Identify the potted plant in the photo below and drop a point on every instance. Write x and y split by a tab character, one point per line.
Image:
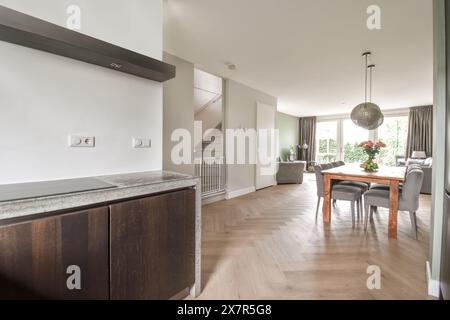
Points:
371	149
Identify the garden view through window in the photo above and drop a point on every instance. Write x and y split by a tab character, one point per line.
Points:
339	140
352	137
394	133
326	136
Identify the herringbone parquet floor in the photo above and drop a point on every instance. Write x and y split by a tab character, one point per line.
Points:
268	245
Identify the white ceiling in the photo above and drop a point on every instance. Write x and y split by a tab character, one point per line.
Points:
308	52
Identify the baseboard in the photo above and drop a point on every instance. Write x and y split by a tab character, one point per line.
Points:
433	285
214	198
240	192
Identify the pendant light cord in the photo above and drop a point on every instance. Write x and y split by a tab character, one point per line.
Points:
370	91
365	80
371	67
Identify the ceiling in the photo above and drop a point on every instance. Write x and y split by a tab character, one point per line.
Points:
308	52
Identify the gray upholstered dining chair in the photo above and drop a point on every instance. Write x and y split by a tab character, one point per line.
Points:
386	187
378	186
335	164
338	192
362	185
408	198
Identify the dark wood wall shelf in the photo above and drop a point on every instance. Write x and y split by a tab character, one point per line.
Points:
28	31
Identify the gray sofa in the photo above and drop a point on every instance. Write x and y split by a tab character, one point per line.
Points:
427	168
426	184
290	172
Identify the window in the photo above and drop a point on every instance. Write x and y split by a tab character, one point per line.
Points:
352	137
394	133
326	141
338	139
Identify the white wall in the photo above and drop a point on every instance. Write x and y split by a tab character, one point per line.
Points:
208	103
439	117
211	115
240	113
44	97
178	110
288	127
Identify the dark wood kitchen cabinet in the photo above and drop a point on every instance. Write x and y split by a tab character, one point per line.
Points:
152	243
136	249
35	256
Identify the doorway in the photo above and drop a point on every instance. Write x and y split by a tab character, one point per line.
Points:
209	153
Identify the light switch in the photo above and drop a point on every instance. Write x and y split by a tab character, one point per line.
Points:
142	143
81	142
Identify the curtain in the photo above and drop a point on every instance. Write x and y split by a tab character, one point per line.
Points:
420	131
307	135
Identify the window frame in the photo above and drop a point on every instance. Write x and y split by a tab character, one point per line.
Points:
373	134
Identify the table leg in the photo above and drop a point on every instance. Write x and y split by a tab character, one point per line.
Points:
326	198
393	209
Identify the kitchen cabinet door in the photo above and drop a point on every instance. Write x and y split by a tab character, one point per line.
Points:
152	246
59	257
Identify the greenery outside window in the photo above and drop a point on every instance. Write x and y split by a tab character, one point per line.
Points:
326	141
338	139
393	133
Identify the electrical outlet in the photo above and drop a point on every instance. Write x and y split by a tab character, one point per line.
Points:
142	143
81	142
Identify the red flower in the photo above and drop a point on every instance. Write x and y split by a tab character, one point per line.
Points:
367	144
380	144
372	147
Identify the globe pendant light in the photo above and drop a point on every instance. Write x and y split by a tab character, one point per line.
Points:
367	115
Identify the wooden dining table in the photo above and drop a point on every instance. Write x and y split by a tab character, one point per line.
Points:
390	176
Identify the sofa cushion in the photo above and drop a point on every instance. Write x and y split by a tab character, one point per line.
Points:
428	162
415	161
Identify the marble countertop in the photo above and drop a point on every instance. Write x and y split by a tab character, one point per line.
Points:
126	186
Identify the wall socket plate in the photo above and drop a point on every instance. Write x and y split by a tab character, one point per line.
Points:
81	142
141	143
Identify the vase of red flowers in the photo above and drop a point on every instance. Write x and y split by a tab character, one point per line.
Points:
371	149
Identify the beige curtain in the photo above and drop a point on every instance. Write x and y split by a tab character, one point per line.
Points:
420	131
307	134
